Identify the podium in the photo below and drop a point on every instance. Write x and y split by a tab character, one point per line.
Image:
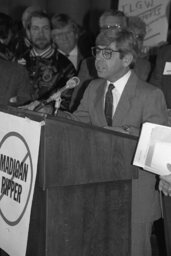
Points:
82	198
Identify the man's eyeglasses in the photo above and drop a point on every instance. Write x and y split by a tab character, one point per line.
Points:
107	53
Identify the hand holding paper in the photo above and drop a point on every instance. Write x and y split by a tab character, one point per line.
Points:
165	182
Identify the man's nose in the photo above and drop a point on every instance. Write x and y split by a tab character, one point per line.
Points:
41	32
64	36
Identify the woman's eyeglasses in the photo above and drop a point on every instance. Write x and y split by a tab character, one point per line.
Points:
115	26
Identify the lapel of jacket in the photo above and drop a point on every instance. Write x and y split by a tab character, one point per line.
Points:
79	59
99	102
125	101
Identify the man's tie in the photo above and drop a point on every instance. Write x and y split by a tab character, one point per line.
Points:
109	104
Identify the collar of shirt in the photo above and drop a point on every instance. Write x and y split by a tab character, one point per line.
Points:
44	54
63	52
121	82
73	56
74	51
118	90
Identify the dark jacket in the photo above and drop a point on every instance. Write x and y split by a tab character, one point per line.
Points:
48	74
14	82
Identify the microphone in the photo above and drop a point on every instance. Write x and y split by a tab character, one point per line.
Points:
71	83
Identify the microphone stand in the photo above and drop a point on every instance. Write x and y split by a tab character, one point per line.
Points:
71	83
57	106
51	98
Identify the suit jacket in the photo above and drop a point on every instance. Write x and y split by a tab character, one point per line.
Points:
14	82
81	55
140	102
80	58
159	79
87	72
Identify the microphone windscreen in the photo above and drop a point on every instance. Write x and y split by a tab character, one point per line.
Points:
72	82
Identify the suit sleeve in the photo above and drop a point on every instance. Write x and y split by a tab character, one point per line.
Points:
82	112
155	109
156	76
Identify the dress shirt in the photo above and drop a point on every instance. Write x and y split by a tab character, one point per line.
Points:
73	56
119	86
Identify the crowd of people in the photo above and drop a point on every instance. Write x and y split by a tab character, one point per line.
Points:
118	86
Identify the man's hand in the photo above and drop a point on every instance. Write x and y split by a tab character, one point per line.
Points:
165	183
31	106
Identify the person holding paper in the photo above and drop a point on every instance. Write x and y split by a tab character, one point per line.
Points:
119	99
165	182
165	187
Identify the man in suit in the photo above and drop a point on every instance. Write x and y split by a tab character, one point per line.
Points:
67	35
113	19
134	102
109	19
165	187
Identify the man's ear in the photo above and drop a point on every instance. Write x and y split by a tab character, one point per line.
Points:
127	59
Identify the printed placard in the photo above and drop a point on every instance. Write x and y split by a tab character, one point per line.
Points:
19	147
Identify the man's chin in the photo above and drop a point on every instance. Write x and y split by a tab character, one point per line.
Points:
101	74
42	46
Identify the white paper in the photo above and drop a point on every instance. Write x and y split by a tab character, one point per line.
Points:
161	157
153	152
167	68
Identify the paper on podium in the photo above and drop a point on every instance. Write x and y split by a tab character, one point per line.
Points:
153	151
